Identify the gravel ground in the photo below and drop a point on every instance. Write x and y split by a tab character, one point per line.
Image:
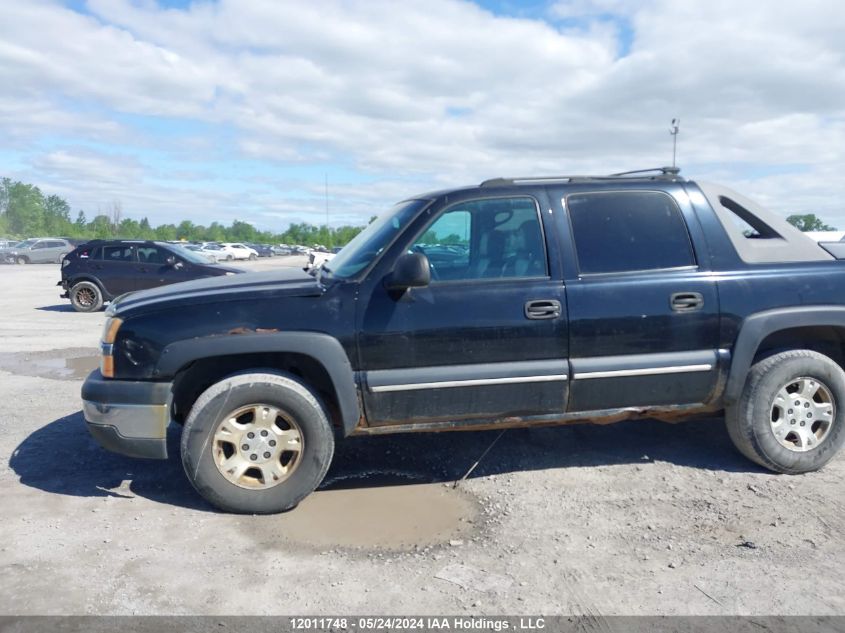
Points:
632	518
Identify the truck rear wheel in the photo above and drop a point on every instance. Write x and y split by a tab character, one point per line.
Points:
791	415
257	443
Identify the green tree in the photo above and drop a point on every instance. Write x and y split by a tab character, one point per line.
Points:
81	223
24	209
129	228
186	231
215	233
166	232
808	222
57	216
100	227
145	231
242	231
5	184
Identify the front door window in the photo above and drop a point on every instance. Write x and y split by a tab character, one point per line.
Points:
485	239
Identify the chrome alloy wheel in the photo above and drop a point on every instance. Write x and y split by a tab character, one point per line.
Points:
802	414
85	297
257	446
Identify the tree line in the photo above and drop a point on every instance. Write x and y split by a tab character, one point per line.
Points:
25	211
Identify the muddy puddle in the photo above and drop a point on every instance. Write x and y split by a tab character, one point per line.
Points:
67	364
378	511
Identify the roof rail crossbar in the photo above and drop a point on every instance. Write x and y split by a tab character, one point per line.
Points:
666	171
669	173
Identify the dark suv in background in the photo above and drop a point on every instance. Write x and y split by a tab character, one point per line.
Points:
101	270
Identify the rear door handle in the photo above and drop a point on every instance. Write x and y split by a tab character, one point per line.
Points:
686	301
542	309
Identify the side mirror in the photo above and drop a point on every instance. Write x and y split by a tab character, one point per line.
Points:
170	261
412	270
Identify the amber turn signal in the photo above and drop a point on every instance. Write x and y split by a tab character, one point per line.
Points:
110	330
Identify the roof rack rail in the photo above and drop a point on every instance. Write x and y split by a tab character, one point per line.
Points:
666	171
658	173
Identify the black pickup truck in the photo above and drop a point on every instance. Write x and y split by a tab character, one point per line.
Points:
516	302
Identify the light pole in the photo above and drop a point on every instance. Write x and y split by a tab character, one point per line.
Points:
673	130
328	234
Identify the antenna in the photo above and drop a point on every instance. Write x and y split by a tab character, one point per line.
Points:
673	130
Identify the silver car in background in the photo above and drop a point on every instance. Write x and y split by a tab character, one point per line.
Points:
45	250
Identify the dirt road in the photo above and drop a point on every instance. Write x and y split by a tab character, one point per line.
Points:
634	518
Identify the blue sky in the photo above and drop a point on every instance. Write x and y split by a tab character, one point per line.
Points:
227	109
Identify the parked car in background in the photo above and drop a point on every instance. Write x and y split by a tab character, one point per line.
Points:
262	249
99	271
45	250
236	250
281	249
213	256
7	243
214	250
316	259
336	250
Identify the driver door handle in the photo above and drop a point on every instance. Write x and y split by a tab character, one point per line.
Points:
542	309
686	301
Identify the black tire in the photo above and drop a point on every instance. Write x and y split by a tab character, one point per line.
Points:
749	420
253	257
21	260
86	296
262	387
229	257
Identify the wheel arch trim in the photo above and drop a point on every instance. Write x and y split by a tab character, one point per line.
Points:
90	279
756	327
324	349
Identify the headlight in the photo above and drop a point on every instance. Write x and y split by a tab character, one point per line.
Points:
107	345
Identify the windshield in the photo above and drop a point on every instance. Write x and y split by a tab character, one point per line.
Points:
369	243
25	244
189	255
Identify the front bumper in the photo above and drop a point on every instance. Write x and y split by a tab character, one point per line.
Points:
128	416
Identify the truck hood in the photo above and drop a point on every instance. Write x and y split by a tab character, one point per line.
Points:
282	282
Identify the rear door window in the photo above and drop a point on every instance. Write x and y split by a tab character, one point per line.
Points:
120	253
628	231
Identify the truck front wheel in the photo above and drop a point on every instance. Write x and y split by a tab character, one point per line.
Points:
257	443
791	414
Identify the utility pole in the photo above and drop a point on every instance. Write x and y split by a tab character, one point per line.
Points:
673	130
328	234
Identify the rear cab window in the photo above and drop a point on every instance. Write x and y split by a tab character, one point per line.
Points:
628	231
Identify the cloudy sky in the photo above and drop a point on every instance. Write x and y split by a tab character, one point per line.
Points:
217	110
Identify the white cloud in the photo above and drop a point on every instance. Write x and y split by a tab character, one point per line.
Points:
438	92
